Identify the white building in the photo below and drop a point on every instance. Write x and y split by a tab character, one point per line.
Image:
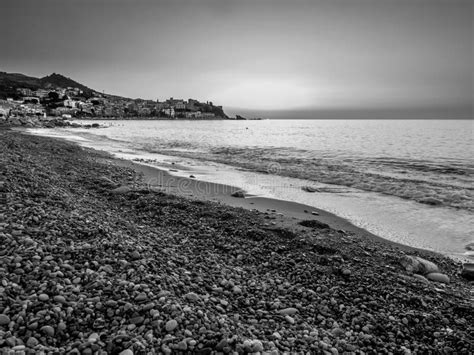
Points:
25	91
70	103
168	111
41	93
180	105
193	114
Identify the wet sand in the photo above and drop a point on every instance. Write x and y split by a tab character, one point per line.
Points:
286	214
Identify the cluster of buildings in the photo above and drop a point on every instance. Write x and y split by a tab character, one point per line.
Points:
40	102
73	102
43	93
176	108
15	108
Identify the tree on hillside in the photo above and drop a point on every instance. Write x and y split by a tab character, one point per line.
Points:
53	96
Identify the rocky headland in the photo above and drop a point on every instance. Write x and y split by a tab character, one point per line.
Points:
94	261
43	122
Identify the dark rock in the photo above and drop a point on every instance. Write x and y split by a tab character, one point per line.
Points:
470	247
431	201
312	223
309	189
239	194
468	271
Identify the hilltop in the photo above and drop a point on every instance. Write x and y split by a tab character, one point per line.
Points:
58	95
58	80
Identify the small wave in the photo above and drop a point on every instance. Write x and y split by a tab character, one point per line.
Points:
425	166
352	172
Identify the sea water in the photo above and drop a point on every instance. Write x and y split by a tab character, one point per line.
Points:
411	181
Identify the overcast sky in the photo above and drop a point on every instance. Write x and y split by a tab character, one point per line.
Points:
263	55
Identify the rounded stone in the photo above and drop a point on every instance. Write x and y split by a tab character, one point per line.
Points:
257	346
171	325
4	319
62	326
236	289
10	341
141	297
48	330
59	299
135	254
288	311
94	337
32	326
43	297
191	296
421	278
137	320
438	277
182	345
346	272
32	342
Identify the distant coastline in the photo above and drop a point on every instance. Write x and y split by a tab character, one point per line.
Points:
57	96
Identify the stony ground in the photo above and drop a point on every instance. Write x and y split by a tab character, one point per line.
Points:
87	270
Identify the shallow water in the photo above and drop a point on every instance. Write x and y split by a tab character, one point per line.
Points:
408	181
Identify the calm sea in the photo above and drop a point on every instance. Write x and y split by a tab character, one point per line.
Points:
407	180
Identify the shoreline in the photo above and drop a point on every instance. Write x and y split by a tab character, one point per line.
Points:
96	258
285	214
441	229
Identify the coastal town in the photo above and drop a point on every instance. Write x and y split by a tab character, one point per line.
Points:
69	103
19	101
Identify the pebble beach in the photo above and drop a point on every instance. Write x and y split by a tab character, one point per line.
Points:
94	261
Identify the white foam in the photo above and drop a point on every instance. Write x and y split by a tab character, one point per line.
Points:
46	132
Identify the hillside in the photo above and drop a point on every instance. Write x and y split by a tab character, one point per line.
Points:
58	80
9	82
